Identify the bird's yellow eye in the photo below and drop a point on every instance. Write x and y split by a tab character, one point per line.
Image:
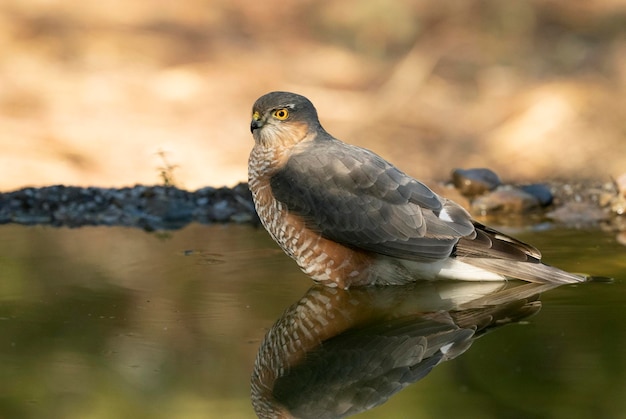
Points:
281	114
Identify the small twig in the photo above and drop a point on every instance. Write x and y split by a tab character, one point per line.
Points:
166	171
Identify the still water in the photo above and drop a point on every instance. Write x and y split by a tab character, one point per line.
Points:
118	323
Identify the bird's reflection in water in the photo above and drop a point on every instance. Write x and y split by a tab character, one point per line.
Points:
336	353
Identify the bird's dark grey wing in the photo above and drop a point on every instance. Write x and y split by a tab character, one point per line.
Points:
354	197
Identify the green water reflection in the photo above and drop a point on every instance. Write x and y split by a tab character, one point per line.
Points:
115	323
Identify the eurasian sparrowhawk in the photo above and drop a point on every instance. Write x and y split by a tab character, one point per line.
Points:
349	218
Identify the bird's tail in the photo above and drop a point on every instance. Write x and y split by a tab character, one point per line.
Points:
532	270
497	252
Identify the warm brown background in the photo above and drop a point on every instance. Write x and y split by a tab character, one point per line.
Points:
91	91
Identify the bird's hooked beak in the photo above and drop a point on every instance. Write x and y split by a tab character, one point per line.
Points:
257	122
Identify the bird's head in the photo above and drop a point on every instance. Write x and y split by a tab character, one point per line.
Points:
283	119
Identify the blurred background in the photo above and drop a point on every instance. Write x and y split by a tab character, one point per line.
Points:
110	93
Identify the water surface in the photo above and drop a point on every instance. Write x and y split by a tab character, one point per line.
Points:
105	322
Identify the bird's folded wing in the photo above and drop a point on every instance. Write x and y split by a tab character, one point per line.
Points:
352	196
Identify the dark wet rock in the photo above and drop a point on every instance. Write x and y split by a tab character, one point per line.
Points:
505	199
540	191
147	207
474	182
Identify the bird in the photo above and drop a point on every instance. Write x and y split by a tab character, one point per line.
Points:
350	218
